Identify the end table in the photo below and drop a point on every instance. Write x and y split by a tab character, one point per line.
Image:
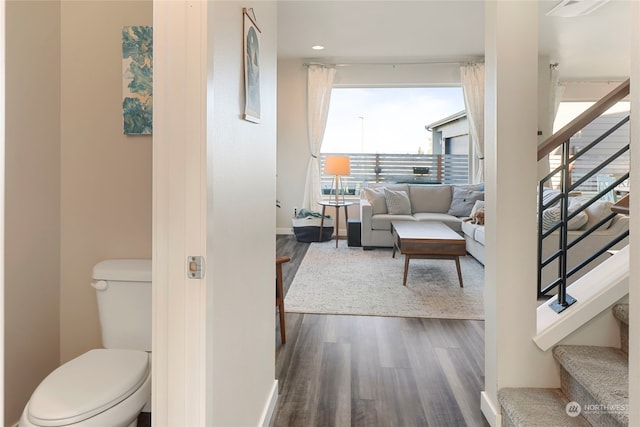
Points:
337	206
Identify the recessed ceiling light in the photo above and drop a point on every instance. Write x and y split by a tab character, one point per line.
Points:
317	47
573	8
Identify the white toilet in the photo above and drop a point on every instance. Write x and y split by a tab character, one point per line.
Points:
110	386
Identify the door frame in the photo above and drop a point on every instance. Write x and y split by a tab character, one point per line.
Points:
179	212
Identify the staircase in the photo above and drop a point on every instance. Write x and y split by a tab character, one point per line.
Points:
594	384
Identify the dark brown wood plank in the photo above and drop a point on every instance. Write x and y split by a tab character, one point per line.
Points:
378	371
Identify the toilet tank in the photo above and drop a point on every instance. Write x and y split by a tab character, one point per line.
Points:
123	289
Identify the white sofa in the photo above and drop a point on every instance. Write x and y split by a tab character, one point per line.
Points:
433	203
428	203
474	236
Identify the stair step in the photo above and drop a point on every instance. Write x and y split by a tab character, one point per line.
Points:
535	407
597	378
621	312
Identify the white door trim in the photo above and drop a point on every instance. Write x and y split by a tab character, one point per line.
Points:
179	212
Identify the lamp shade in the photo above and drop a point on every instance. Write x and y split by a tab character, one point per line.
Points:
337	165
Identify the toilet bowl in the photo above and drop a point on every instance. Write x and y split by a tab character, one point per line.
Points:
106	387
99	388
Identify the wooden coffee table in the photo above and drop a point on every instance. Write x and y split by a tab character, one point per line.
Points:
427	239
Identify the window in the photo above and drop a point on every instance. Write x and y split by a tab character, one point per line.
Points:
384	131
567	111
387	120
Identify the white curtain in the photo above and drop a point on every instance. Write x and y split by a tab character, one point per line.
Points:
556	90
472	79
319	84
555	93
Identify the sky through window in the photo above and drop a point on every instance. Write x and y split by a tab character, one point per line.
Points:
387	120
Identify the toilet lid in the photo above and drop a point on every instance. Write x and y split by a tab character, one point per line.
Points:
88	385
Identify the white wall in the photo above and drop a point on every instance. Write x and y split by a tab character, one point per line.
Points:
634	224
241	169
77	190
105	175
398	75
32	211
511	357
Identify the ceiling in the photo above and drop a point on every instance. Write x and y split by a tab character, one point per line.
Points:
593	47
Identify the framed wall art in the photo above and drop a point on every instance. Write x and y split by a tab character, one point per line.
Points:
251	66
137	80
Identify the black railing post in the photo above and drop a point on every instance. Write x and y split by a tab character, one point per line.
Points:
563	299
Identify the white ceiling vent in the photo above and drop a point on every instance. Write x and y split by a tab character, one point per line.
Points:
573	8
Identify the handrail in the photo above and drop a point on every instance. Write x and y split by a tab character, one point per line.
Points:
622	206
571	128
560	228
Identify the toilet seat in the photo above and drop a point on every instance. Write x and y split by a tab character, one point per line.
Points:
88	385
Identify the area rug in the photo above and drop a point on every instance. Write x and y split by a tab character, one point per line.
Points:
349	280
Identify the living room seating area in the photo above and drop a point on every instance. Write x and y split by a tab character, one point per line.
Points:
453	205
380	204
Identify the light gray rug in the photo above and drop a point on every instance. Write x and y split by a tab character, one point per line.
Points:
349	280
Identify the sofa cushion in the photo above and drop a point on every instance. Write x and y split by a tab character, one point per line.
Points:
382	185
452	221
430	198
375	197
479	235
473	231
551	216
472	187
463	200
469	228
397	202
383	221
596	212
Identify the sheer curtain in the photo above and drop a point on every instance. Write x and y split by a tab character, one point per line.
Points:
472	79
556	90
319	84
554	94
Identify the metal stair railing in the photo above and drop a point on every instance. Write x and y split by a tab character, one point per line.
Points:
567	187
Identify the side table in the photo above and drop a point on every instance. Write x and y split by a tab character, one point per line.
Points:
337	206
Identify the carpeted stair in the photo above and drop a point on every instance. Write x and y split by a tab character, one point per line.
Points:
596	378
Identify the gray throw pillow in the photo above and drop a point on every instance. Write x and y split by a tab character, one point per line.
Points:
397	202
463	200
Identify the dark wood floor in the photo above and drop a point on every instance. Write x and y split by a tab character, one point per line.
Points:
376	371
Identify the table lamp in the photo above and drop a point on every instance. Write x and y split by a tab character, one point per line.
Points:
337	166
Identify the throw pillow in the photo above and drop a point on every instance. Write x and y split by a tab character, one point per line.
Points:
463	200
551	216
479	204
397	202
548	194
598	211
578	221
375	197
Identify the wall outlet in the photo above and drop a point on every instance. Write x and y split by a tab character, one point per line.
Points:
295	212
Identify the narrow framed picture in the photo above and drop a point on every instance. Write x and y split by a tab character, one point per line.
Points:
251	66
137	80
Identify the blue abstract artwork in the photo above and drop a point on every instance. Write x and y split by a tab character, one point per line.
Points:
137	73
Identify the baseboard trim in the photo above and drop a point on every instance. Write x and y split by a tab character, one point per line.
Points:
270	408
491	413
